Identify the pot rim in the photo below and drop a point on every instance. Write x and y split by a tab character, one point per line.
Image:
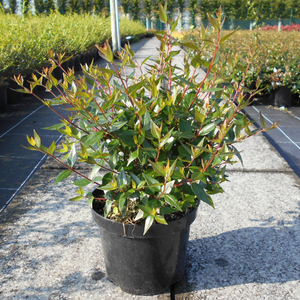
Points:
136	231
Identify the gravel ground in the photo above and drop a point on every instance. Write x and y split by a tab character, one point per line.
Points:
247	248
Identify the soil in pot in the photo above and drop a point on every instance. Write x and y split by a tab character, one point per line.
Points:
144	264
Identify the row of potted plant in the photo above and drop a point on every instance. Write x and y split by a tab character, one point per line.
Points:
24	42
276	63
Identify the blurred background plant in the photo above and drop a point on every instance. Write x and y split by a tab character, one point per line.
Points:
24	42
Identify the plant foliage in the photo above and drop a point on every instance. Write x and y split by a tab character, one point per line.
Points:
276	62
163	137
25	42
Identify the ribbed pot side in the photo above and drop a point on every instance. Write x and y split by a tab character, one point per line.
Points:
144	264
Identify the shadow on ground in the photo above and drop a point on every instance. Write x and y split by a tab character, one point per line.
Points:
265	254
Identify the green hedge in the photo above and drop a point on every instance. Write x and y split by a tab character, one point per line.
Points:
277	61
24	42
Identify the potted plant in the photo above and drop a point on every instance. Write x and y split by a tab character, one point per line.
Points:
163	140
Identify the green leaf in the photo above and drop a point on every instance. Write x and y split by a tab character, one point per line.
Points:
147	209
133	156
172	54
107	71
150	180
52	148
153	185
169	186
82	182
197	61
188	99
197	175
122	179
161	220
241	68
155	130
165	139
54	127
158	168
72	156
190	45
76	198
207	129
95	170
118	125
199	116
141	184
37	139
20	90
139	215
177	175
108	187
237	153
62	175
172	200
174	25
93	138
212	90
135	87
148	223
30	148
187	149
201	194
90	201
149	149
227	36
107	208
135	178
172	168
127	137
142	110
122	202
162	14
262	120
213	21
192	85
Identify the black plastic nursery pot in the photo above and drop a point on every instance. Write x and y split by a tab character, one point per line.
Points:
14	97
144	264
3	97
